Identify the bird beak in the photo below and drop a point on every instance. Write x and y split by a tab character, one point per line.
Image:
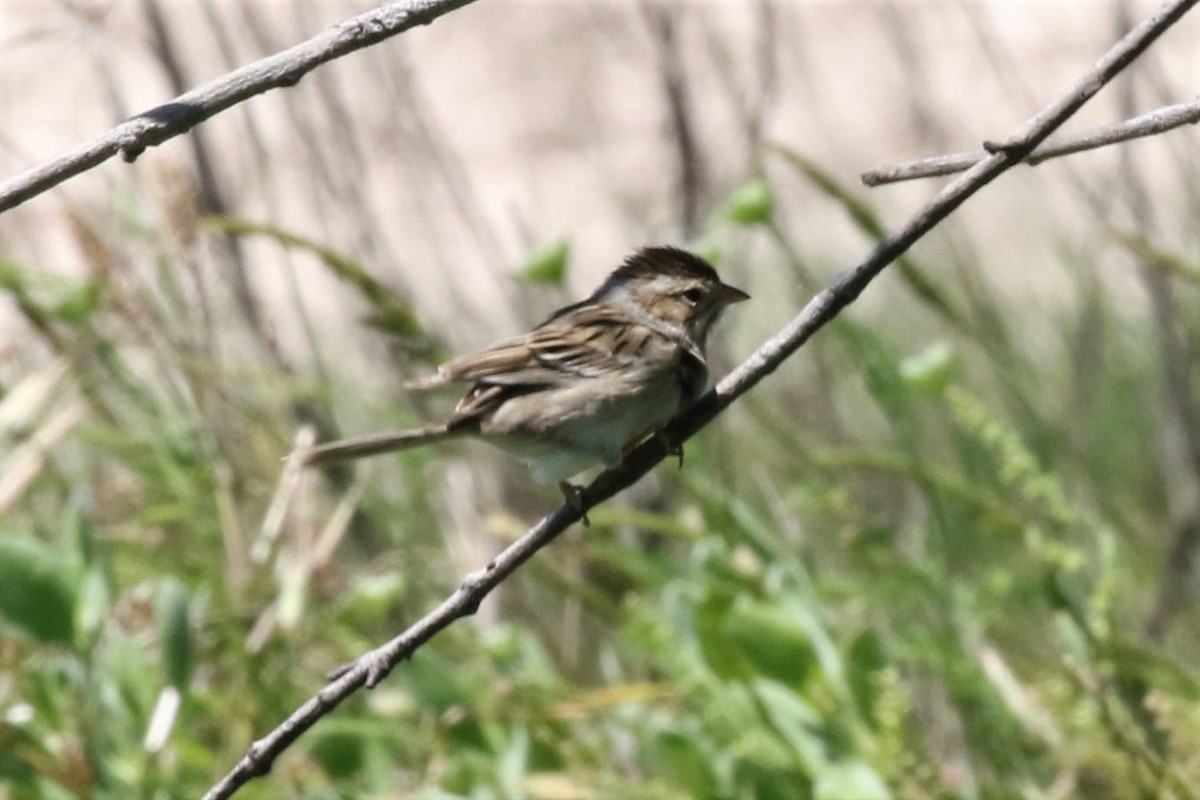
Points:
728	295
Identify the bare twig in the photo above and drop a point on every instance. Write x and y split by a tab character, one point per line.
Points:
1155	122
375	665
664	25
1175	594
189	109
210	197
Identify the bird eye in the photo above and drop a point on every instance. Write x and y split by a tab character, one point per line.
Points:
693	296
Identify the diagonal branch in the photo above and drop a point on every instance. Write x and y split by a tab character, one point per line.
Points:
1155	122
374	666
285	68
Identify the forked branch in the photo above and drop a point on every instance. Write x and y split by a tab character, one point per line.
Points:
1158	121
374	666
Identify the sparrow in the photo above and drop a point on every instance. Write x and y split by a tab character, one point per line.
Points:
588	384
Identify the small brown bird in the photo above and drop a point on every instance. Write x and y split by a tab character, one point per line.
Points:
590	382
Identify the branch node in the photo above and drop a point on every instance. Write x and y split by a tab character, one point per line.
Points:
1007	146
474	580
1151	123
131	147
378	667
258	761
291	77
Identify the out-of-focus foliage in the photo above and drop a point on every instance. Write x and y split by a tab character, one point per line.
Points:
751	204
922	573
548	264
946	551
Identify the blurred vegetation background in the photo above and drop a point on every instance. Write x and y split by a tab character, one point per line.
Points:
947	551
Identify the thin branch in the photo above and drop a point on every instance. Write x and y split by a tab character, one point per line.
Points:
1176	593
1155	122
189	109
373	667
210	198
664	26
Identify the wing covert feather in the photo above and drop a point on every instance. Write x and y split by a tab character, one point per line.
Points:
586	342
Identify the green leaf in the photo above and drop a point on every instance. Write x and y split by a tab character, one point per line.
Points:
36	594
50	789
850	780
512	764
758	780
931	370
91	607
1133	661
370	598
682	759
795	722
548	265
390	311
76	526
395	319
772	643
435	684
709	251
709	621
1172	263
132	671
79	305
751	204
863	663
880	368
175	632
14	771
339	748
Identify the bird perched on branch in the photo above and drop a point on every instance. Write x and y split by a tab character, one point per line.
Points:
589	383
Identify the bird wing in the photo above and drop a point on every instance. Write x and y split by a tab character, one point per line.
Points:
587	341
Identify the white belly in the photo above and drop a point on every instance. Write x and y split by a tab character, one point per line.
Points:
559	433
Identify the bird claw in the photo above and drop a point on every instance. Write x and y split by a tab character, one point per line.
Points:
672	448
573	494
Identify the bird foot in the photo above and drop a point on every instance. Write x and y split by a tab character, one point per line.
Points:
672	448
573	494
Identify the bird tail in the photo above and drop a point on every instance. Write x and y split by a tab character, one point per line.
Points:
427	382
362	446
